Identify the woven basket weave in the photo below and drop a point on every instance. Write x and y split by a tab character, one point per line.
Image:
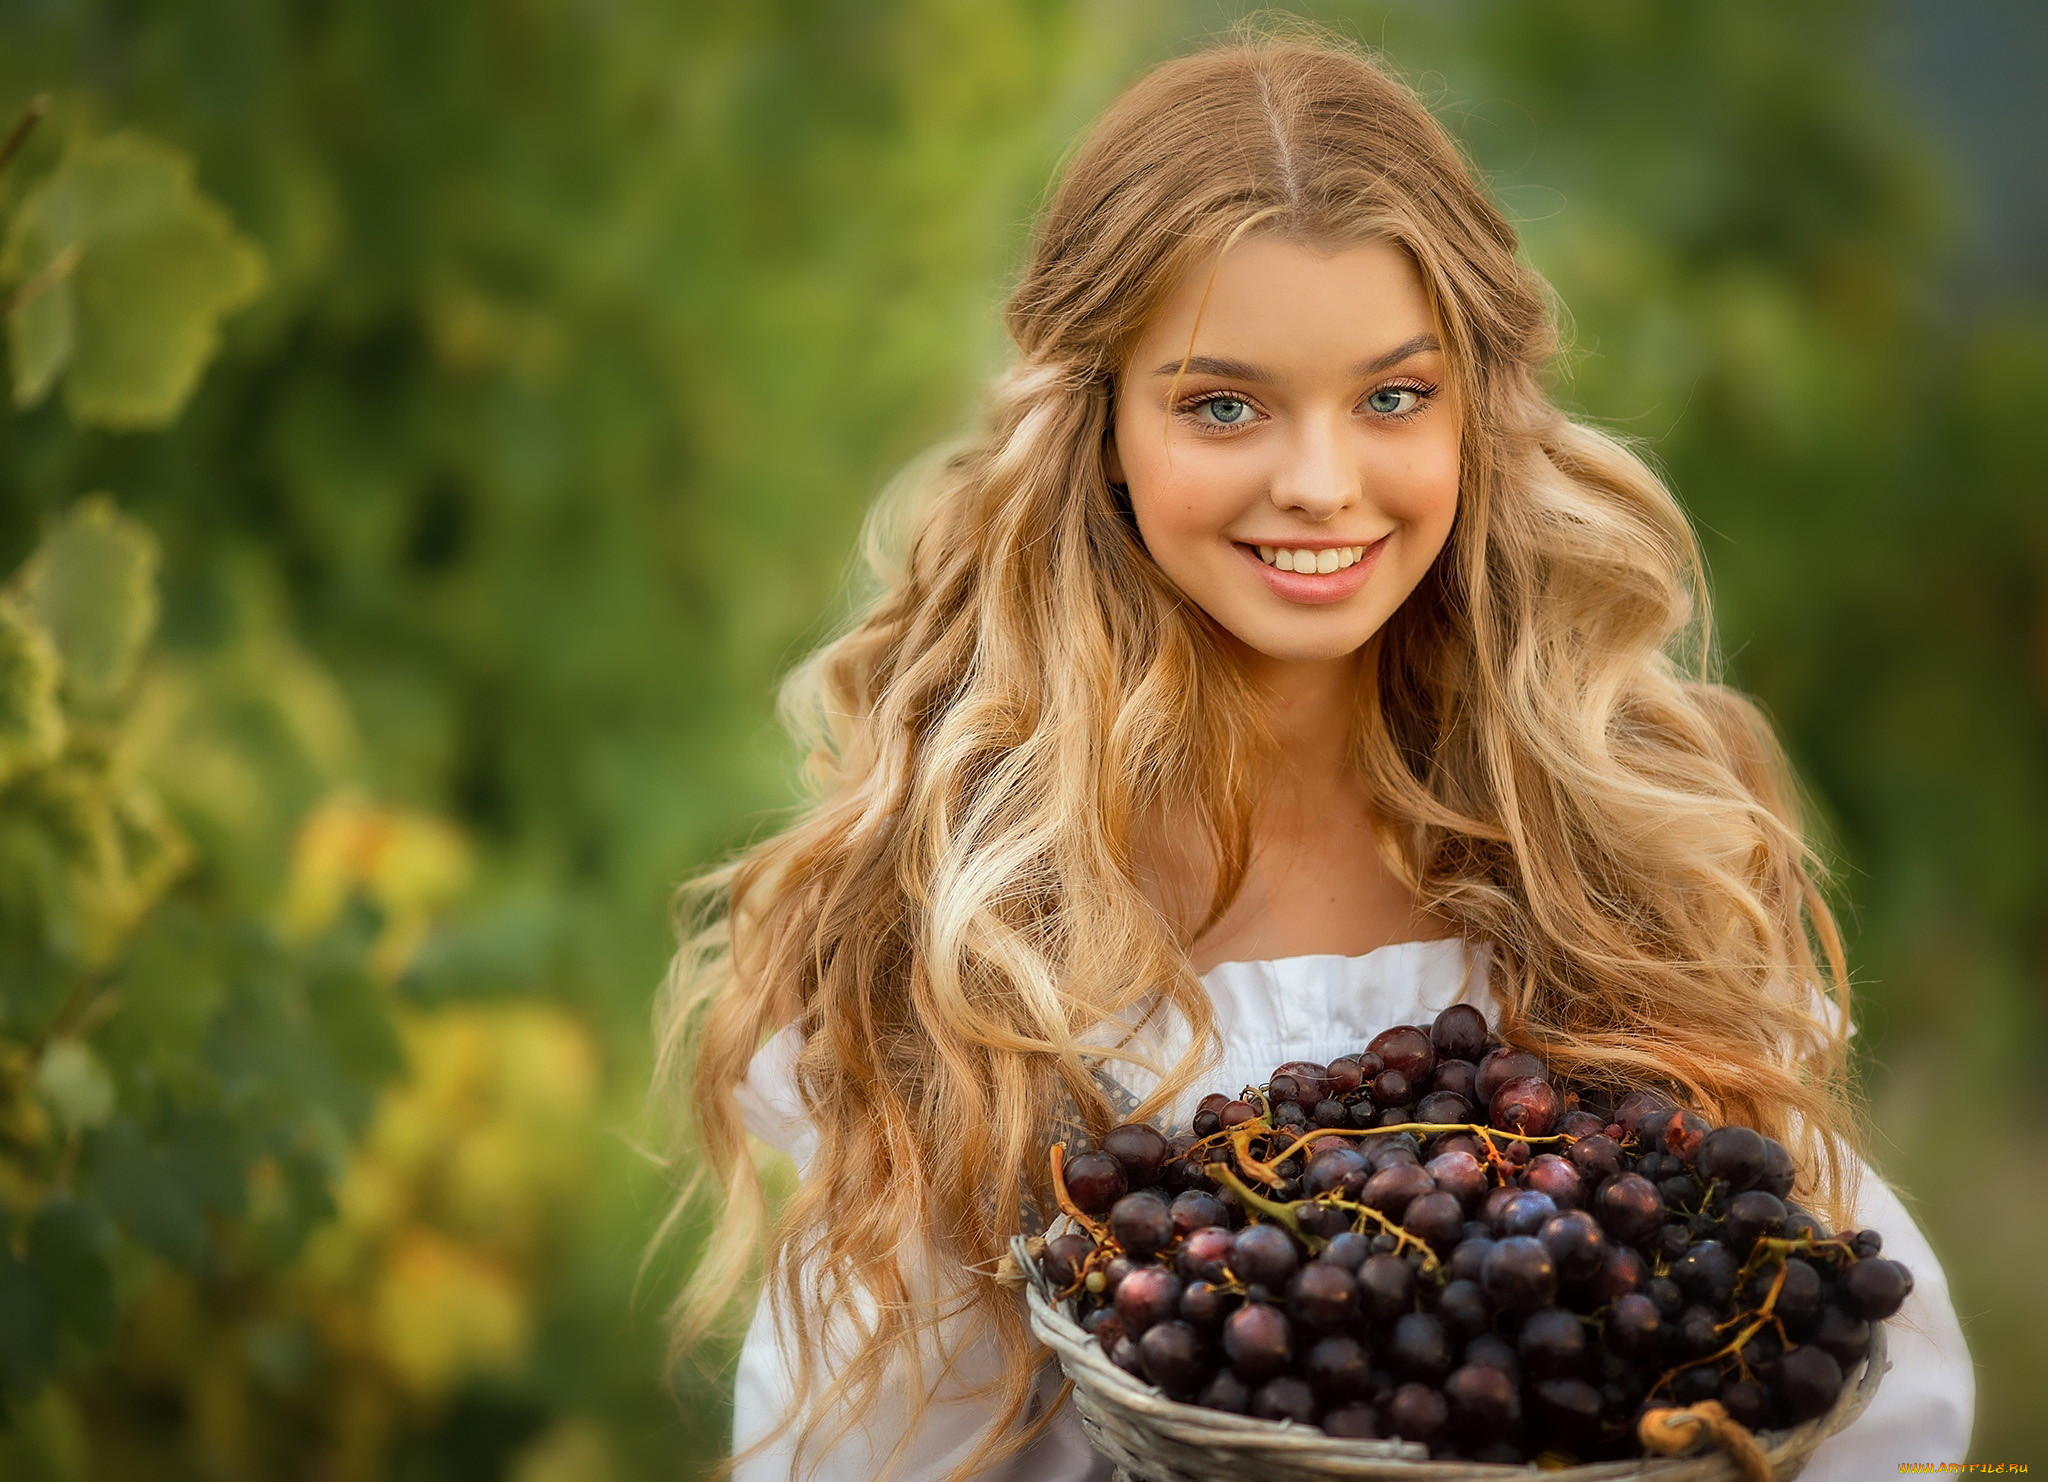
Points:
1153	1439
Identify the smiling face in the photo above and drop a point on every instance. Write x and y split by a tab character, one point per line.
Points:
1299	478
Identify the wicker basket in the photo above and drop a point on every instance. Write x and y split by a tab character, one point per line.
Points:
1153	1439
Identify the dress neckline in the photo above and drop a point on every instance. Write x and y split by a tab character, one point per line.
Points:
1332	956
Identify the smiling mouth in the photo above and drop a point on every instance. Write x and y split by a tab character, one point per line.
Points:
1320	562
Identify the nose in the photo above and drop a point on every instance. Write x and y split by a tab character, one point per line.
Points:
1317	477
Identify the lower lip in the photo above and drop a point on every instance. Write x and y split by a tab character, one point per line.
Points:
1315	588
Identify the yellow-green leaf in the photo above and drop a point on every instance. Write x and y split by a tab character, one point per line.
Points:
31	725
159	264
92	583
75	1084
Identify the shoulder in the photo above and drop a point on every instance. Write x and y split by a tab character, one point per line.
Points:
769	1101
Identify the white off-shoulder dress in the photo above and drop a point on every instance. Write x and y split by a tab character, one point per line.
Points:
1294	1008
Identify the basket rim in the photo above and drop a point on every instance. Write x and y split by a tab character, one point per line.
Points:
1198	1425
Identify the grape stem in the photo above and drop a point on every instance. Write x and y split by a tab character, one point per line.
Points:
1072	1210
1272	1209
1402	1238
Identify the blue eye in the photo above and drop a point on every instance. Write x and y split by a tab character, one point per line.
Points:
1227	409
1387	400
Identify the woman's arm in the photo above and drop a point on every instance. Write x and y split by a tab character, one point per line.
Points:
960	1353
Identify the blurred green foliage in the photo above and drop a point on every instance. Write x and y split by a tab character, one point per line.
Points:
564	346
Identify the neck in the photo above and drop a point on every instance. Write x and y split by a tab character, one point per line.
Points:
1310	706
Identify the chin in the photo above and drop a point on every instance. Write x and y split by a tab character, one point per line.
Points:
1303	648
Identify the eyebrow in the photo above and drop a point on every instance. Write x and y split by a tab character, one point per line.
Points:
1240	370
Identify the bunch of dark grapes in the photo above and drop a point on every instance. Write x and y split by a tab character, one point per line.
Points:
1430	1240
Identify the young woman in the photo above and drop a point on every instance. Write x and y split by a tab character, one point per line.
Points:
1278	665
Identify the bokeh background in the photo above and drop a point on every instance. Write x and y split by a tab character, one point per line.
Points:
433	428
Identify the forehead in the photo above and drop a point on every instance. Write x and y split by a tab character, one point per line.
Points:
1286	303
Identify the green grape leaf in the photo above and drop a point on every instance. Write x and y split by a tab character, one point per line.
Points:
31	725
133	324
74	1084
92	582
145	1193
28	1327
68	1244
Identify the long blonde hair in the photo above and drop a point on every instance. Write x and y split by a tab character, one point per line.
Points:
1556	769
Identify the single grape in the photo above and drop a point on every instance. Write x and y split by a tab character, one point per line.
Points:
1682	1136
1734	1156
1748	1403
1846	1337
1570	1409
1386	1286
1312	1079
1264	1254
1469	1258
1575	1243
1205	1254
1322	1296
1751	1216
1458	1033
1142	1223
1174	1357
1779	1174
1876	1288
1524	1212
1103	1325
1547	1173
1417	1413
1463	1309
1622	1271
1357	1421
1492	1351
1406	1049
1552	1343
1149	1295
1336	1170
1634	1327
1095	1181
1343	1075
1141	1149
1665	1293
1707	1272
1436	1219
1063	1259
1400	1147
1392	1088
1226	1392
1807	1380
1392	1189
1330	1112
1440	1107
1580	1123
1204	1304
1698	1331
1128	1356
1236	1114
1197	1209
1527	1105
1283	1088
1641	1112
1519	1274
1348	1250
1458	1173
1256	1339
1866	1243
1421	1348
1339	1368
1598	1158
1456	1078
1114	1270
1504	1065
1629	1208
1485	1404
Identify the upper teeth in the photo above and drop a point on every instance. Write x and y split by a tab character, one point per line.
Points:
1335	558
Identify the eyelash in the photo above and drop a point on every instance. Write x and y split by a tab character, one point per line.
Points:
1424	392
